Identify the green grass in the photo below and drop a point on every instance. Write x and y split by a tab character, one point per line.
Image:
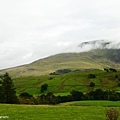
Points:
30	112
65	83
99	103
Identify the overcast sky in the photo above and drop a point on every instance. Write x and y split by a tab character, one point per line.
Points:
33	29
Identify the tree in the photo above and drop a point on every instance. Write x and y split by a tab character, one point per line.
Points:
49	98
92	84
44	87
113	96
8	89
26	98
76	95
91	76
113	70
25	95
1	95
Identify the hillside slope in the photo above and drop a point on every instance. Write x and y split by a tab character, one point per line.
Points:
63	84
96	59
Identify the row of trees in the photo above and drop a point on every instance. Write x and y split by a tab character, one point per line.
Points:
98	94
59	72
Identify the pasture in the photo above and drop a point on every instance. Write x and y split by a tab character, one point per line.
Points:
86	111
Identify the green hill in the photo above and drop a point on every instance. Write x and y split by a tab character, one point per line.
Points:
63	84
96	59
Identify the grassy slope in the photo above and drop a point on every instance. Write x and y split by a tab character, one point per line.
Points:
64	84
26	112
92	59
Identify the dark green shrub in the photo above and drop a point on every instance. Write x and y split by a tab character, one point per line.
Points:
25	95
92	84
113	70
76	95
26	98
91	76
113	96
44	87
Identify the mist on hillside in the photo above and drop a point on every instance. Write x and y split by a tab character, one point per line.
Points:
94	44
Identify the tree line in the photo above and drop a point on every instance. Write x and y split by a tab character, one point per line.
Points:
98	94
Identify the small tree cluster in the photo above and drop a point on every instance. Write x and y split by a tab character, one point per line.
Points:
49	98
113	96
98	94
26	98
110	70
76	95
59	72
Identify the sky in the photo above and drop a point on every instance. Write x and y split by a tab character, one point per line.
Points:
34	29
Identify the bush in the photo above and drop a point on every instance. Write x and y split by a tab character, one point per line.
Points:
44	87
113	96
26	98
76	95
113	70
25	95
92	84
112	114
91	76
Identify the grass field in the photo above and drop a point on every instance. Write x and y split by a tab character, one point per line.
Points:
60	112
102	103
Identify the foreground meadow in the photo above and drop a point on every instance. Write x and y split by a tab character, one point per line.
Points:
47	112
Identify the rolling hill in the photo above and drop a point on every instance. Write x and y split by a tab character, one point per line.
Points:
93	59
63	84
